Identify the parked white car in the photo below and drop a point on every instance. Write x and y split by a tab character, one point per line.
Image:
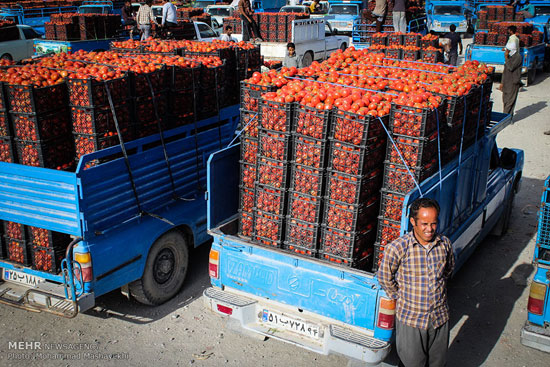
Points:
17	43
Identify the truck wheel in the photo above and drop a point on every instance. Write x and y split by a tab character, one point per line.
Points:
343	46
307	59
531	75
6	57
504	222
165	270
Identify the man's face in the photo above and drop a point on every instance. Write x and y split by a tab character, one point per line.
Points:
425	225
291	51
229	31
510	32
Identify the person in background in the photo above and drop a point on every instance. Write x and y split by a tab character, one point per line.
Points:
456	42
169	15
144	18
414	273
511	75
399	19
291	59
227	35
128	17
315	7
378	14
249	24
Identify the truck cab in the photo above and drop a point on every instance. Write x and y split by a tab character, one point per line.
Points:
342	15
96	7
441	14
16	43
218	13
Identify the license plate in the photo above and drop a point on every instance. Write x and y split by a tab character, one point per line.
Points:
290	323
19	277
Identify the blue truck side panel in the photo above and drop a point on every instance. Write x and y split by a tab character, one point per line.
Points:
533	57
35	17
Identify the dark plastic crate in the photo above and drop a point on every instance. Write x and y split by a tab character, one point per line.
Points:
3	96
181	106
352	189
7	151
144	108
100	120
139	83
248	175
183	78
46	258
304	207
273	173
347	248
249	121
93	93
348	217
15	230
251	95
270	200
378	256
395	39
454	111
357	160
276	116
417	122
3	250
89	143
275	145
391	205
249	150
209	102
302	237
425	43
416	152
432	56
17	251
31	99
213	76
379	39
393	53
33	127
45	238
411	39
56	153
5	130
398	179
312	122
309	151
269	229
356	129
388	231
306	180
246	224
247	199
410	55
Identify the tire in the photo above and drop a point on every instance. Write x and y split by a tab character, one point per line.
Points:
343	46
503	224
307	59
531	75
165	270
6	57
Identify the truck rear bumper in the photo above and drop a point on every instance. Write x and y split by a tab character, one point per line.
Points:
246	313
536	337
47	297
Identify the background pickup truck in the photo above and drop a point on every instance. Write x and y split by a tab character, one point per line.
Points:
329	309
441	14
17	42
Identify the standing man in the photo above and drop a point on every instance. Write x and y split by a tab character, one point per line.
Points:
128	17
315	7
456	41
414	272
511	75
169	15
378	14
144	18
399	17
249	24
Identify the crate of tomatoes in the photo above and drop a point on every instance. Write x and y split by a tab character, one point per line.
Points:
17	251
7	150
269	229
302	238
44	126
47	258
357	159
352	189
353	249
54	153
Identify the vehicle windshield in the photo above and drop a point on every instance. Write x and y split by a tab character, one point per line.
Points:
292	9
91	10
30	33
344	9
542	10
448	10
222	12
206	31
157	11
203	4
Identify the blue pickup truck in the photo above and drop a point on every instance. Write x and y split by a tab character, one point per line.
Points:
134	222
441	14
536	332
342	15
339	310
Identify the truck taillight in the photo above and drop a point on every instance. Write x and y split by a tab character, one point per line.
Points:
536	298
224	309
85	261
386	313
213	264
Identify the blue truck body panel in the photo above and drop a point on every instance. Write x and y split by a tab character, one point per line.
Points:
341	295
98	204
34	17
533	57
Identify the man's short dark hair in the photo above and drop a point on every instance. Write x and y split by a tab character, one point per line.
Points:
228	27
423	203
513	29
149	2
291	44
452	27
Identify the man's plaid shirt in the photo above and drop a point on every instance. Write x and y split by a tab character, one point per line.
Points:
416	276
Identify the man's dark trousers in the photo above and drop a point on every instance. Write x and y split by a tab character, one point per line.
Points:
421	348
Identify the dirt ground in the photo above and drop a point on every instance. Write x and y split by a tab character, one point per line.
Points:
488	298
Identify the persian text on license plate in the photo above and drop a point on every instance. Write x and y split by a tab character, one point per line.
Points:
291	324
18	277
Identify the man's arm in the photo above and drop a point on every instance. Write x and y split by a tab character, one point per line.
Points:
388	268
460	45
450	266
152	16
164	13
513	62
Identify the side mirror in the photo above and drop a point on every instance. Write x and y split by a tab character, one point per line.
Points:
508	159
335	31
